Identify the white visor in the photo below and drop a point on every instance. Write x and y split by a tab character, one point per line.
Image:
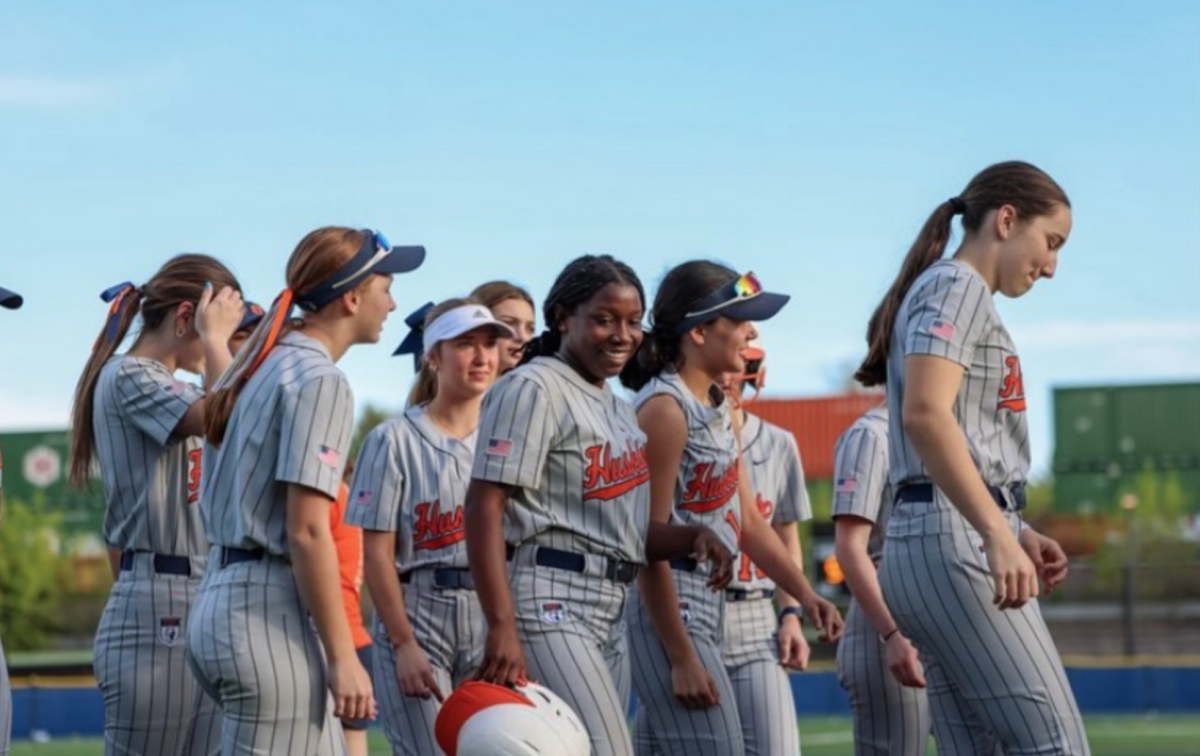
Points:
460	320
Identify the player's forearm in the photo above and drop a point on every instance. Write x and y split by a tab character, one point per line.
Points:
314	562
217	358
379	568
482	521
863	579
790	537
769	553
657	587
665	541
939	442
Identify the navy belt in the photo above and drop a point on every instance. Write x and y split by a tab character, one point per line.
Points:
919	492
164	564
685	564
230	555
445	578
616	570
739	594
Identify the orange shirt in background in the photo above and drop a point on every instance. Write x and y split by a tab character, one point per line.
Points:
349	542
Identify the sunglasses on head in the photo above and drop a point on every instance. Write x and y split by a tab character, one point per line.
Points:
745	286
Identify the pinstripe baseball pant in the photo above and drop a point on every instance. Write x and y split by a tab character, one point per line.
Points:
571	628
678	731
153	704
991	673
889	718
760	684
449	626
253	647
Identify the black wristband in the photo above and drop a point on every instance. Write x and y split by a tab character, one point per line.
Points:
790	611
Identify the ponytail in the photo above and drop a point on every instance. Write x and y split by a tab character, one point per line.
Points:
126	302
925	251
218	407
1026	188
545	345
657	352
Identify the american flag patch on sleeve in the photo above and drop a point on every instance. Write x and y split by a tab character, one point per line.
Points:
499	447
328	456
943	329
847	485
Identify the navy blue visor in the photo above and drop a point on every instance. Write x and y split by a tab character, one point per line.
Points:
375	256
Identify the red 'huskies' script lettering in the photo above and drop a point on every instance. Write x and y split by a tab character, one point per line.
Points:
707	492
435	529
607	476
193	475
1012	391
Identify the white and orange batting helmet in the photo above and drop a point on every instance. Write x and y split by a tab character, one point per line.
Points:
483	719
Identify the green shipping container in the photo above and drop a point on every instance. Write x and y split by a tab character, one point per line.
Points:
35	468
1166	493
1119	429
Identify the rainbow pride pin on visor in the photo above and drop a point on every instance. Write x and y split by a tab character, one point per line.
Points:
740	299
376	255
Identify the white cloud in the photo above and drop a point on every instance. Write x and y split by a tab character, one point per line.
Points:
53	92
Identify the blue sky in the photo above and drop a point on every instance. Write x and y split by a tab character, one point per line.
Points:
800	140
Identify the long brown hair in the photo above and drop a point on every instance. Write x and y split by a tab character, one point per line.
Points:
493	293
180	280
425	385
317	257
1025	187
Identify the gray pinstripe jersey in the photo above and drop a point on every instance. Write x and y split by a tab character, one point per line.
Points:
576	456
411	479
949	313
706	491
291	424
778	481
860	470
151	476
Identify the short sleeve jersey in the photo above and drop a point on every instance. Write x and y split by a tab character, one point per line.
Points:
706	489
576	457
411	479
861	487
949	313
777	478
291	425
151	474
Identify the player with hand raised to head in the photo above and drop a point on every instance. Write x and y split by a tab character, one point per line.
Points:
143	427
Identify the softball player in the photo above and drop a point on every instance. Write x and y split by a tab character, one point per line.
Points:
703	316
278	426
954	575
513	306
560	491
142	426
877	664
408	491
9	300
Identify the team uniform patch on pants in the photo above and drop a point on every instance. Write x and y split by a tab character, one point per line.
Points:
554	613
170	630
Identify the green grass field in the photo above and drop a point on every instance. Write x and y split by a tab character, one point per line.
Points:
1173	735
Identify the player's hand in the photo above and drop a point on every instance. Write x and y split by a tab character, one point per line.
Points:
415	673
708	548
350	684
1013	571
825	617
503	659
693	686
218	313
1047	556
793	646
902	660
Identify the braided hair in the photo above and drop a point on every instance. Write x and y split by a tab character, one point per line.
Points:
576	284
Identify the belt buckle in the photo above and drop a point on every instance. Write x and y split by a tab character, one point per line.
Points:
622	572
